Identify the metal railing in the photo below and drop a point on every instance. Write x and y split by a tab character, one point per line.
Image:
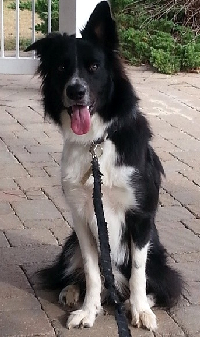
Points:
19	64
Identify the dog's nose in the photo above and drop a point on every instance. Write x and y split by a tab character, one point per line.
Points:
76	91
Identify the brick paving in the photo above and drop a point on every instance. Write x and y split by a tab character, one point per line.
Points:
33	214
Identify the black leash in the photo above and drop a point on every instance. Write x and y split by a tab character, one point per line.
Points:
123	329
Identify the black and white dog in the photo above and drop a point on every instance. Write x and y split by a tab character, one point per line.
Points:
86	91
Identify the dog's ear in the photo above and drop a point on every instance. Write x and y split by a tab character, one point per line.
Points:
47	49
43	48
38	46
101	27
43	45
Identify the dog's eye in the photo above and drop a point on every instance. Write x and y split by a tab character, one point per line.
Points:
61	68
93	67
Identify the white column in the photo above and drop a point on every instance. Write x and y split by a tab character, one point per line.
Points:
2	29
67	16
73	14
17	28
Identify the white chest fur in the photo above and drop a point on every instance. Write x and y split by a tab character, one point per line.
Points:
118	192
76	161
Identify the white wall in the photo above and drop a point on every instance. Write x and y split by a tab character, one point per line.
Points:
67	16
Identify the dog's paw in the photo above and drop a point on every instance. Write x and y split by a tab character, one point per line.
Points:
82	318
150	300
69	295
144	318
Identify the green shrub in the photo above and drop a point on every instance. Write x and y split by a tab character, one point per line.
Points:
191	55
41	8
10	43
22	5
135	45
159	33
164	61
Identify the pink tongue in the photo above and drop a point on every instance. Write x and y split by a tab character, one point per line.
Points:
80	119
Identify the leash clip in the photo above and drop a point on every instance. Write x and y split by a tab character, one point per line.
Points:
96	150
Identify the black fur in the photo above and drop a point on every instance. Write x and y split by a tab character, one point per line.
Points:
116	101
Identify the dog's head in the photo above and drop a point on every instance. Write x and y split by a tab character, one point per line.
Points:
77	73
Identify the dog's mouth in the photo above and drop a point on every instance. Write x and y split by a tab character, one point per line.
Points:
80	118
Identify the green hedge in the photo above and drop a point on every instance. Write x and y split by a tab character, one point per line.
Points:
152	32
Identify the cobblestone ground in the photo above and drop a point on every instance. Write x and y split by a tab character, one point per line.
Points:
33	211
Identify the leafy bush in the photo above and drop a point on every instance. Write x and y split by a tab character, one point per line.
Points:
22	5
164	61
191	55
162	33
41	8
10	43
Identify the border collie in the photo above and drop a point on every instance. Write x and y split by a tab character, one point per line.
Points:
87	93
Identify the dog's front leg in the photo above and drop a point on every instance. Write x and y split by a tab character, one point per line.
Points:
92	303
142	315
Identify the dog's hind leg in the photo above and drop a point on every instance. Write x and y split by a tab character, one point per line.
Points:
163	281
92	303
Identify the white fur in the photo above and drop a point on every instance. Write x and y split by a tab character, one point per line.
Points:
142	315
92	302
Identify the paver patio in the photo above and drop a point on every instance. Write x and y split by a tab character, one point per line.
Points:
33	214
